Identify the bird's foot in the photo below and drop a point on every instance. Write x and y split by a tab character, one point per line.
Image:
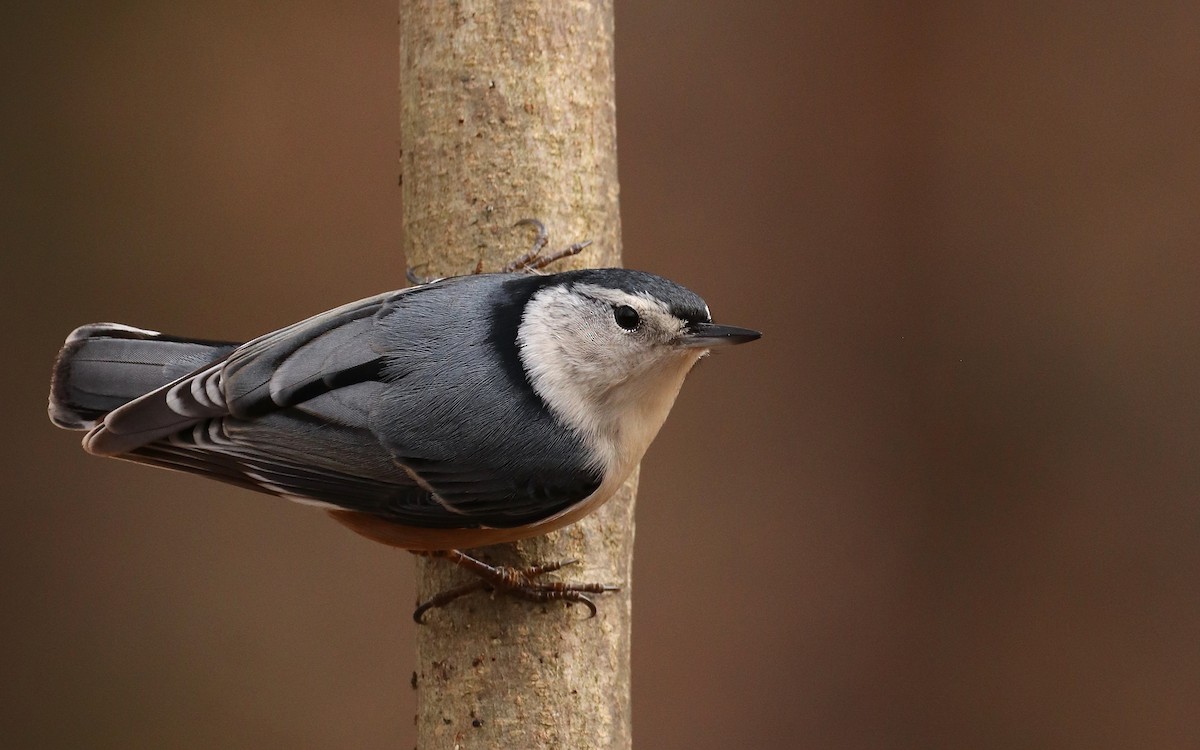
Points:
518	582
531	262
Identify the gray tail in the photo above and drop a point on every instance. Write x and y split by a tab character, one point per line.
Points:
105	365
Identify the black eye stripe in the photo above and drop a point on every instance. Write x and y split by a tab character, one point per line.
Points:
626	317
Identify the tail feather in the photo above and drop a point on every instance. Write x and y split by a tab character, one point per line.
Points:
105	365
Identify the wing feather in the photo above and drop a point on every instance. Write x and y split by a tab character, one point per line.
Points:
369	407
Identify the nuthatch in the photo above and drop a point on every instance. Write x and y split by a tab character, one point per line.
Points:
458	413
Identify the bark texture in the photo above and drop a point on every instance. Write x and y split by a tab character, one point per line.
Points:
507	112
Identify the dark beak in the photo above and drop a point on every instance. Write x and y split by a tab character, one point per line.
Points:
705	335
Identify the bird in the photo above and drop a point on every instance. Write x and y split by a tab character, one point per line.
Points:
457	413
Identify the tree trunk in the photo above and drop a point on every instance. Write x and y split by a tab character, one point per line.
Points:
507	112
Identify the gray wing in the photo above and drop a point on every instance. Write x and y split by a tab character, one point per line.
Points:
358	408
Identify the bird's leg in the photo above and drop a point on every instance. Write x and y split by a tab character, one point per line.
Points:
530	262
518	582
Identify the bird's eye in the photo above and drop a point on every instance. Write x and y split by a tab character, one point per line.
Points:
626	317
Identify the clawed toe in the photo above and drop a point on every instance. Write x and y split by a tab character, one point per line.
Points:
533	261
415	278
516	582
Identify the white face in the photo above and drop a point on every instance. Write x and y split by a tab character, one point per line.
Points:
607	362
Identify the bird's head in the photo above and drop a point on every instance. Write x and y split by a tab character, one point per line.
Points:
607	350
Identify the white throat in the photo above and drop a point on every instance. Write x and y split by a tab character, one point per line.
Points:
617	417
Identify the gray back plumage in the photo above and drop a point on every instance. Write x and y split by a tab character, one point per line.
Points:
401	405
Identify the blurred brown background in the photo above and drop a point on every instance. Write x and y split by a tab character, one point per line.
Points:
949	500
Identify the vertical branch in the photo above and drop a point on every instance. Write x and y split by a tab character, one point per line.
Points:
507	112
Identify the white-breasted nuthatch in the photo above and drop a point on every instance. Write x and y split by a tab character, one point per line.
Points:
459	413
